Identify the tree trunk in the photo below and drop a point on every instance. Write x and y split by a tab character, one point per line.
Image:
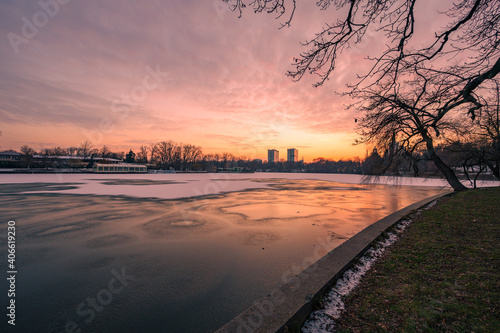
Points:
494	169
447	172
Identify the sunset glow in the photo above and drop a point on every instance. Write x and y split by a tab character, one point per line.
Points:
130	74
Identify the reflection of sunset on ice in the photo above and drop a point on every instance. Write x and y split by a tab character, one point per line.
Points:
218	251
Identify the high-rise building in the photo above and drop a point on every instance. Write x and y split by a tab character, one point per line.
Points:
292	155
273	156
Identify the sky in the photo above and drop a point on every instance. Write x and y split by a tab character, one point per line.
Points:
128	73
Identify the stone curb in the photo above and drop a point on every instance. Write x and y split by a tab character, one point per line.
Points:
288	307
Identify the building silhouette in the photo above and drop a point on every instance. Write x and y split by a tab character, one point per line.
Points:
273	156
292	155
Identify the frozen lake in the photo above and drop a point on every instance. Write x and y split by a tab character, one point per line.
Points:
175	252
183	185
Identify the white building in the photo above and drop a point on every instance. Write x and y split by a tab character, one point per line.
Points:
292	155
273	156
120	168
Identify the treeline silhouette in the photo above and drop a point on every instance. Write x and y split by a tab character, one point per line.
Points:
170	155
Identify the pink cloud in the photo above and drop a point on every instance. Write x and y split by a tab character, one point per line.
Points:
226	76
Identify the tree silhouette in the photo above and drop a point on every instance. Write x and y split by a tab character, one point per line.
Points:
142	155
105	151
85	148
130	157
416	88
27	158
479	145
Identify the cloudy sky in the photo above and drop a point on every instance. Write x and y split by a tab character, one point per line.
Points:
127	73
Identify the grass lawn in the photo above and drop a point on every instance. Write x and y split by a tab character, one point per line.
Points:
441	276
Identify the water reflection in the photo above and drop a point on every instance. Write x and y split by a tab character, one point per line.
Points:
196	262
261	211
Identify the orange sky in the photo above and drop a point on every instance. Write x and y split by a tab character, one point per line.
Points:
189	71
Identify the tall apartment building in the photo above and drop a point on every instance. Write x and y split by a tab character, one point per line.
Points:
292	155
273	156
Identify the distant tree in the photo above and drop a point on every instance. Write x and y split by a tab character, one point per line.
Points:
166	154
414	88
207	162
27	158
190	154
217	160
470	156
153	149
94	152
227	158
176	156
71	151
255	164
130	157
58	151
26	150
477	148
142	155
85	148
118	155
104	152
45	152
489	132
373	164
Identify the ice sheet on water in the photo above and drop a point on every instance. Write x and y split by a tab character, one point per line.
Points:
184	185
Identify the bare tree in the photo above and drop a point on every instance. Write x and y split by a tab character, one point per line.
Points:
71	151
142	155
166	154
226	159
153	148
119	155
105	151
217	160
414	88
479	146
58	151
85	148
27	157
94	152
489	124
190	154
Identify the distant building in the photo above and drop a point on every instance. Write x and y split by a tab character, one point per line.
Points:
10	158
273	156
10	155
292	155
119	168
